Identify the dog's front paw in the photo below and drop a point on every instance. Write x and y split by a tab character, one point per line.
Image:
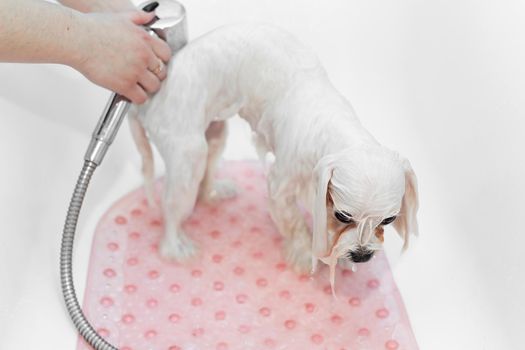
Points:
298	254
180	249
221	189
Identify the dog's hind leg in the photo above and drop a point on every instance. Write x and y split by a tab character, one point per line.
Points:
185	159
141	141
212	190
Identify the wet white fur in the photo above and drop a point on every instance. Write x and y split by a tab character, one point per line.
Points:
279	87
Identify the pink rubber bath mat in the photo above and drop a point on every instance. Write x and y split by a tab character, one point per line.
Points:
239	293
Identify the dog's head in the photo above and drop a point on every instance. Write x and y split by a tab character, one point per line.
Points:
359	191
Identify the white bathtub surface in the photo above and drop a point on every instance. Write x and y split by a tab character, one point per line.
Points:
440	82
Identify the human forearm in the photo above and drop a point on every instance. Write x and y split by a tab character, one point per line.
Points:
110	49
37	31
99	5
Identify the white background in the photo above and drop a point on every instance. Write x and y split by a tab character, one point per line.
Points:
442	82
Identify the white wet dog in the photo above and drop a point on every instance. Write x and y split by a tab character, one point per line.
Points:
325	161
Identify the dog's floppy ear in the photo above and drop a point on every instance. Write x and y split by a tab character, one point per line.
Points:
322	174
406	221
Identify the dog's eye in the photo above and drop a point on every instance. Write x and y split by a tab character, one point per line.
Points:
344	217
388	220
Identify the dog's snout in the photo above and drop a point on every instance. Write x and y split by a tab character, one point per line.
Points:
360	255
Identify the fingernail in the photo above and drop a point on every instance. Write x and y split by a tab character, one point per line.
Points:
150	7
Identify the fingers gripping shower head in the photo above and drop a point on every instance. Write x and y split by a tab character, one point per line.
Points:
170	26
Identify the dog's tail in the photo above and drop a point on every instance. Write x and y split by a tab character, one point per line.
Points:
144	147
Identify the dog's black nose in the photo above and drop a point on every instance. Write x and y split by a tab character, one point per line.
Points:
360	255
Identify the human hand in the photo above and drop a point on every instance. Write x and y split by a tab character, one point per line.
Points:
113	51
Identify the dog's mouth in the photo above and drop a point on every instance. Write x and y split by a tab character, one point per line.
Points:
361	255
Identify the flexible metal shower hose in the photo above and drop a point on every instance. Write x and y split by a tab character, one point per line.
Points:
66	264
173	27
